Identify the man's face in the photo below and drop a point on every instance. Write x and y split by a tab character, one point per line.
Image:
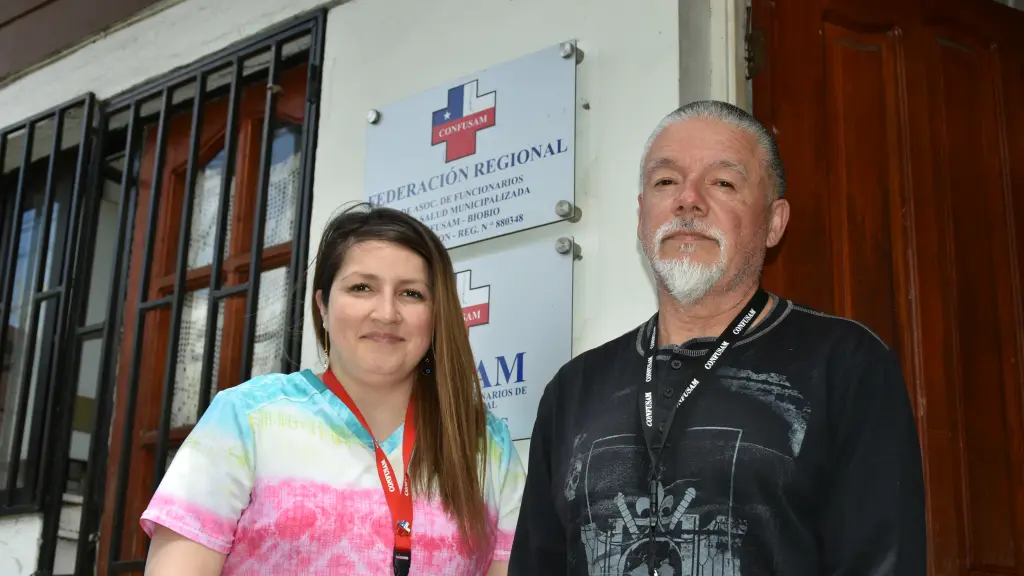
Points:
705	216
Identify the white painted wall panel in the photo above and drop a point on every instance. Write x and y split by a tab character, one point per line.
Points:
19	545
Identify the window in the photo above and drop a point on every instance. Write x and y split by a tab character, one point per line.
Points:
41	188
216	167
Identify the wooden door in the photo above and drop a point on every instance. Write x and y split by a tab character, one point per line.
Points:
275	258
901	125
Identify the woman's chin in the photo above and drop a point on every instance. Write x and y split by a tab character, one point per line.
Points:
386	375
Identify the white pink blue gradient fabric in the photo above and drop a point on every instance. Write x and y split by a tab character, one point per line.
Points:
279	475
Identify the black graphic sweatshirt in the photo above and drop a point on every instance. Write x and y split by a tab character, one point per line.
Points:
800	458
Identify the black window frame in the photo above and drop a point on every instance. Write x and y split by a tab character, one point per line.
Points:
43	406
53	405
111	330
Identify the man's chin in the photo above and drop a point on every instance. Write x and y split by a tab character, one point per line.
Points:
681	259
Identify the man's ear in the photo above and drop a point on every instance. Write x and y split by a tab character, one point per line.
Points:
639	209
778	218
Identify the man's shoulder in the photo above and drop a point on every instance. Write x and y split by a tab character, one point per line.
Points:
842	334
603	358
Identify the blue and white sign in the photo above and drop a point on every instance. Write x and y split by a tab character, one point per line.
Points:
519	326
482	156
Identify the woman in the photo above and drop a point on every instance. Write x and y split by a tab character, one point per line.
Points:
306	474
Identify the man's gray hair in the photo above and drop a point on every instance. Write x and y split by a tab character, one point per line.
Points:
730	114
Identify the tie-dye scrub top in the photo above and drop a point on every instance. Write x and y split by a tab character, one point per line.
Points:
280	475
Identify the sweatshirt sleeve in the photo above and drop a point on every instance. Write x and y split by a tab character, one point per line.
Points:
873	516
539	547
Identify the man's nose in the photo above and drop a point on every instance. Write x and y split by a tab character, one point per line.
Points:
690	200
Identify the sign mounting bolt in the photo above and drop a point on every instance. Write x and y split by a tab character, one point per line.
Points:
568	49
566	245
373	116
564	209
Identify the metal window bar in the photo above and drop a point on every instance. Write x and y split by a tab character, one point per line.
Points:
96	466
49	357
78	262
178	299
233	60
259	220
11	482
291	359
220	237
140	322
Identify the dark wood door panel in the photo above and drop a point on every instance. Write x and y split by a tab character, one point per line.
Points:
964	86
862	97
900	125
1012	79
942	474
800	267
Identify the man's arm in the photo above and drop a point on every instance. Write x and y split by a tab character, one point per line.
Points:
873	519
539	545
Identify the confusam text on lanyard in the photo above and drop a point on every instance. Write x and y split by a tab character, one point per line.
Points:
399	499
656	437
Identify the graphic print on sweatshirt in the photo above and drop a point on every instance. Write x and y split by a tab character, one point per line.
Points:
704	511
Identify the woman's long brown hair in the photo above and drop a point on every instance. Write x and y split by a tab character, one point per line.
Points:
451	423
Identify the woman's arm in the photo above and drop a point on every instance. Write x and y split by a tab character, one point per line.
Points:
171	553
193	516
498	569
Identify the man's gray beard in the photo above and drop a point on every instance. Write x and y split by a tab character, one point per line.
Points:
686	280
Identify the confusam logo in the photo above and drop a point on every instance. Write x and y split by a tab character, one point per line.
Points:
476	302
456	125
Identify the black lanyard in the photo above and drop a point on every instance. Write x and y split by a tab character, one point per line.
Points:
656	438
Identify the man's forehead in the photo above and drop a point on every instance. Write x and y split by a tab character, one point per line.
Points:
722	163
703	143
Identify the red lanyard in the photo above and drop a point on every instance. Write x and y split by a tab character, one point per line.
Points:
399	501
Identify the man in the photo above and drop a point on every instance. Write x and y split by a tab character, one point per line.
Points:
734	433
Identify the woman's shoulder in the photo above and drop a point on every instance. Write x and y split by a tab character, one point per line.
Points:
497	428
267	389
499	440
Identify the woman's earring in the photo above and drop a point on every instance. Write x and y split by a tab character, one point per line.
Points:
327	349
426	365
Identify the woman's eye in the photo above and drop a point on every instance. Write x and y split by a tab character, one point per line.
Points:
724	184
664	182
359	288
414	294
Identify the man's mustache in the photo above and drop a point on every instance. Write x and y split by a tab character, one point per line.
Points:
694	225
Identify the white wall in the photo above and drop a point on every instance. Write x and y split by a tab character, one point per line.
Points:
642	60
19	545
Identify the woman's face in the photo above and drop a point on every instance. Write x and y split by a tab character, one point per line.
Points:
379	314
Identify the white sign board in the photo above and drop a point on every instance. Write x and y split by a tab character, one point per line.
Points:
517	304
482	156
